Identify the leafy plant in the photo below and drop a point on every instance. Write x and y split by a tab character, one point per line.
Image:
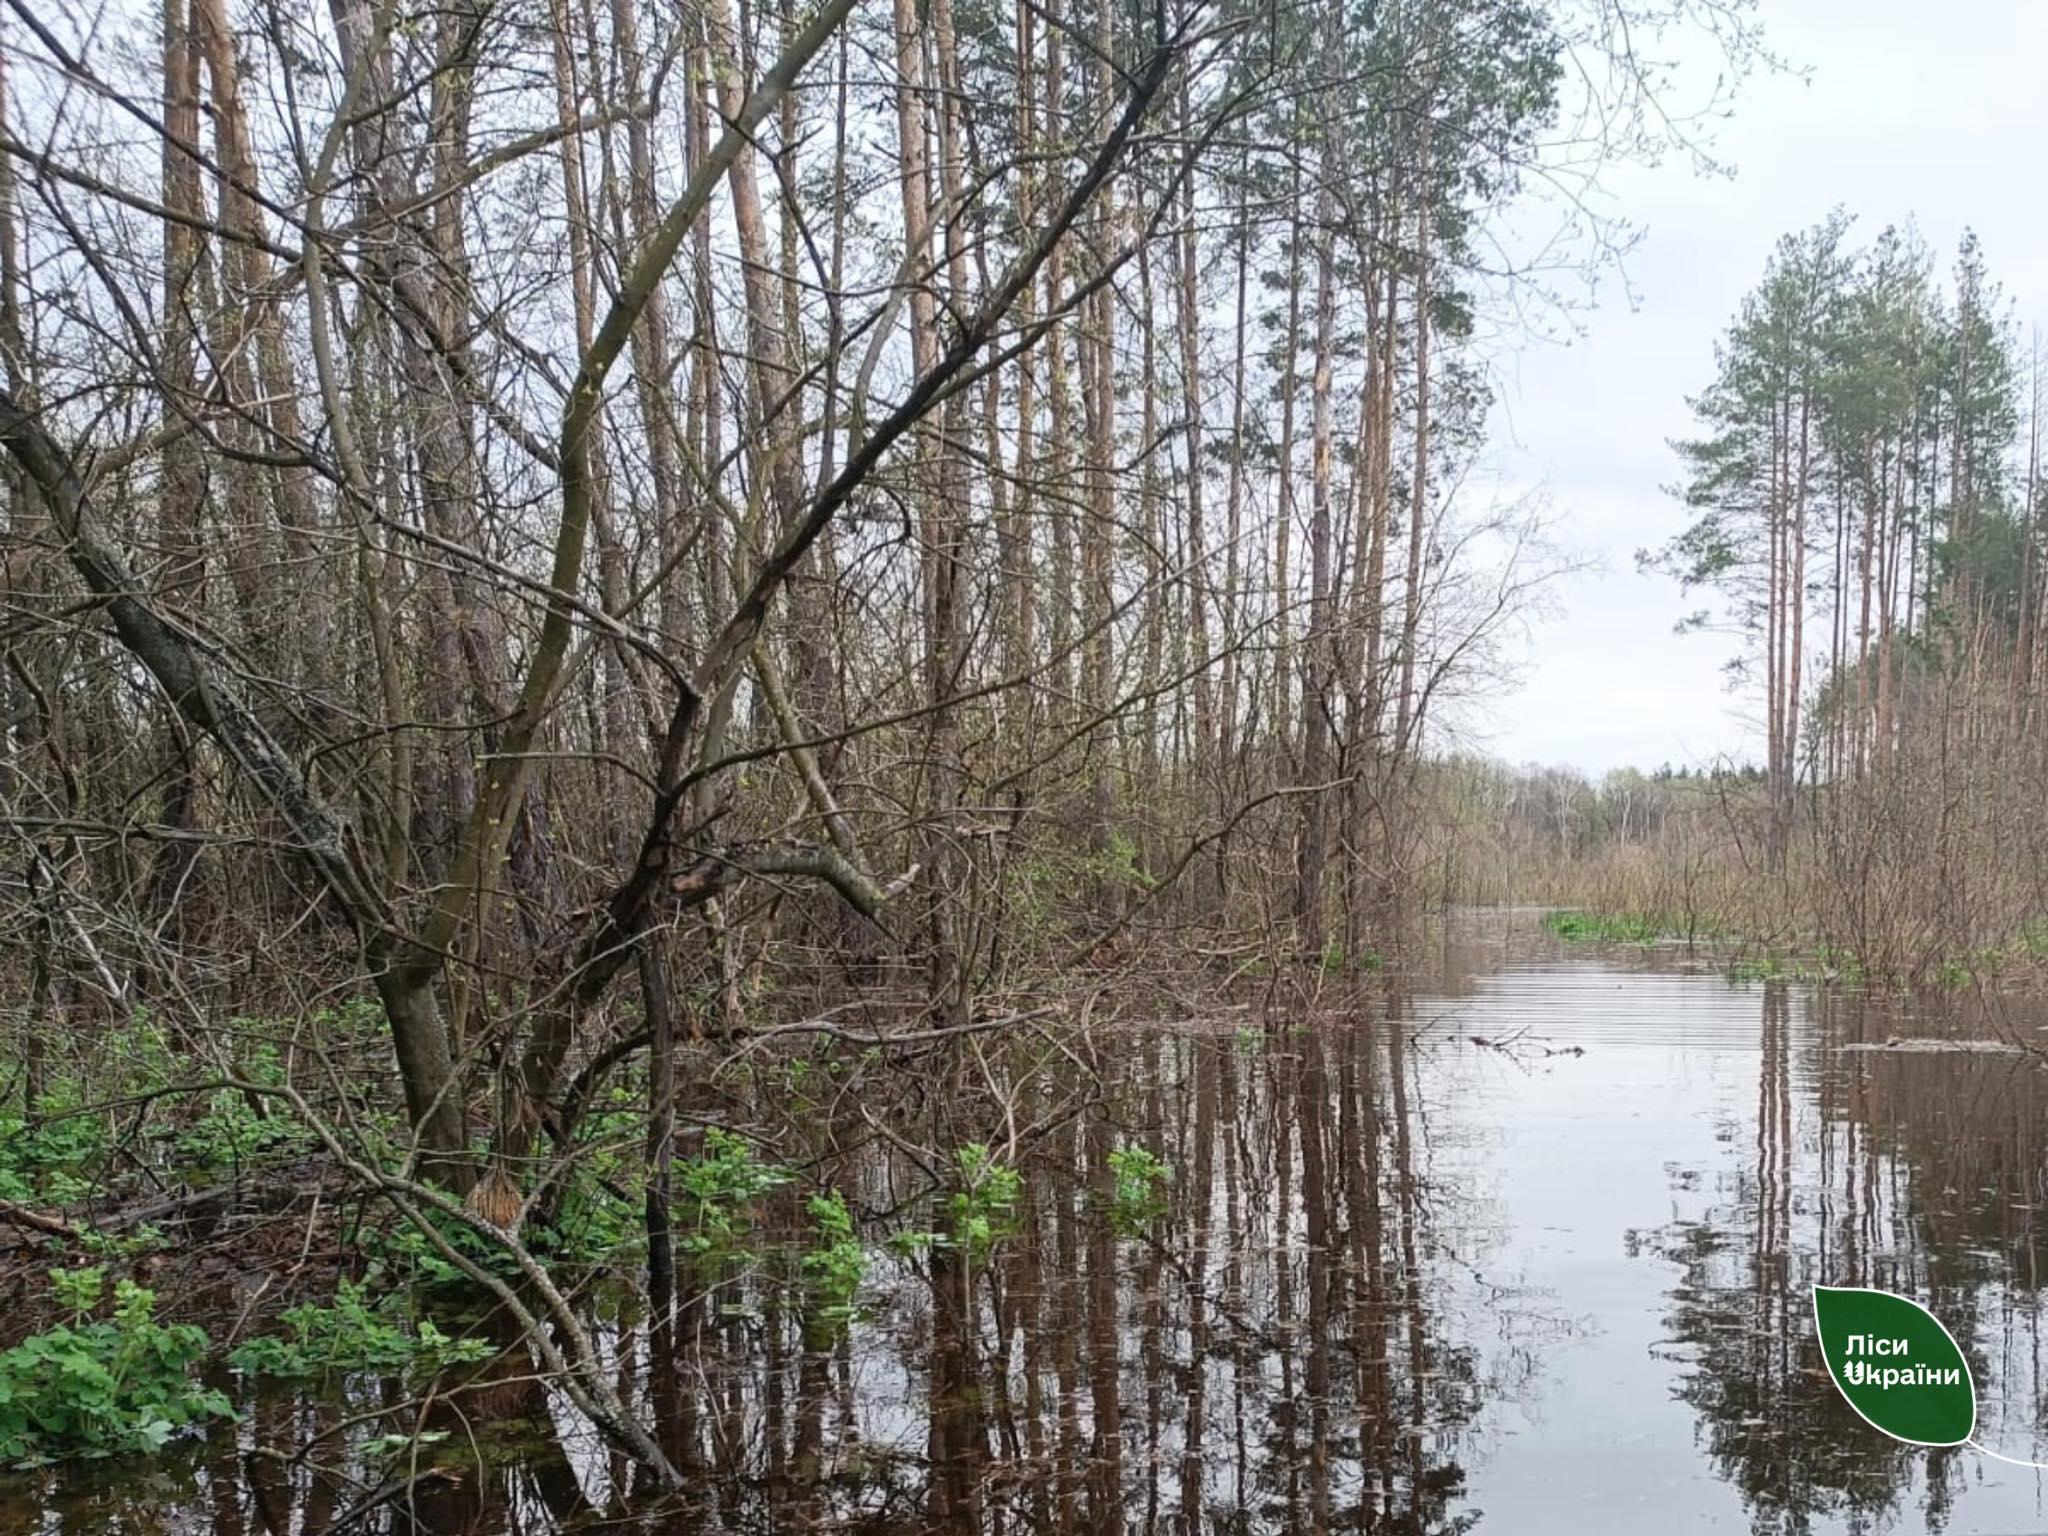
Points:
124	1245
1139	1198
715	1192
595	1222
985	1206
1334	960
106	1387
54	1155
982	1210
234	1132
832	1269
593	1225
78	1291
1117	864
354	1334
409	1254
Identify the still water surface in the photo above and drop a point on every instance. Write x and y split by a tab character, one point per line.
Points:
1520	1244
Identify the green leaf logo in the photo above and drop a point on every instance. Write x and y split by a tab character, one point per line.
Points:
1896	1364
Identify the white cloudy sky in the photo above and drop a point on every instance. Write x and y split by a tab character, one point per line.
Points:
1907	112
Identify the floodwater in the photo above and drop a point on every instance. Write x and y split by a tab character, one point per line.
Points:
1521	1244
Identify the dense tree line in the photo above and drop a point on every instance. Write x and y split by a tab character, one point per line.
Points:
589	524
1857	468
1865	496
495	482
1864	503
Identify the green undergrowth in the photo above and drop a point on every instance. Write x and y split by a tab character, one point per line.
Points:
2024	951
110	1380
2016	959
1826	963
833	1268
1581	927
1334	961
981	1209
138	1108
734	1217
1139	1199
984	1207
358	1332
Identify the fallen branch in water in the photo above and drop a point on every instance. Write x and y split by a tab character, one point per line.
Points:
391	1491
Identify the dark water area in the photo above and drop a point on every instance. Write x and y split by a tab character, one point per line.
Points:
1521	1243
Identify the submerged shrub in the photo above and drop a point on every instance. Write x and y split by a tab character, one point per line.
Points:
1140	1195
106	1387
981	1211
985	1208
833	1269
715	1192
354	1334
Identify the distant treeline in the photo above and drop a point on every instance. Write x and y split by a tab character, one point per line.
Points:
1863	502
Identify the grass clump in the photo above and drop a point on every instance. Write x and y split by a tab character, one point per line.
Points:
1577	927
1827	963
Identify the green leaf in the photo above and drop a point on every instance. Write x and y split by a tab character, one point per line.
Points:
1896	1364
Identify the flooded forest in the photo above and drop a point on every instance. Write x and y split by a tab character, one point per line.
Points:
738	786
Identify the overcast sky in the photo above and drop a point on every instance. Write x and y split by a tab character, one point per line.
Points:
1908	112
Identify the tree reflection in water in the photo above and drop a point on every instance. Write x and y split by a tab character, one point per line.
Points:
1363	1302
1277	1353
1911	1171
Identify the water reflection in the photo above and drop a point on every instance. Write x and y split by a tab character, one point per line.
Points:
1525	1248
1916	1171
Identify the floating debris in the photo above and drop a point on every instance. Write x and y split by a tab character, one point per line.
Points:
1928	1047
